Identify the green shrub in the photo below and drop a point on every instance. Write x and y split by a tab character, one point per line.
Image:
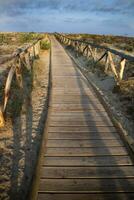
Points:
2	38
28	37
45	45
129	48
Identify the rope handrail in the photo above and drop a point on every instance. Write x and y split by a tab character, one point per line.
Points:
21	57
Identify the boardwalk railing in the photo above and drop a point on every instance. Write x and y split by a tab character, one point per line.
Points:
22	57
114	60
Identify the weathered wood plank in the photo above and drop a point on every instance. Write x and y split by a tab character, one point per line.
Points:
88	161
80	119
70	92
90	114
85	151
81	135
79	123
82	129
89	196
71	106
91	185
71	96
91	101
66	84
87	172
84	143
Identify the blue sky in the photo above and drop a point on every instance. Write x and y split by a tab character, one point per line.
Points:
75	16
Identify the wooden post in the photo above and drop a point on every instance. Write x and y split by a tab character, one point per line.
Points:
64	40
68	42
112	65
31	51
36	50
90	49
27	59
84	50
8	85
122	67
95	54
106	63
2	121
83	47
18	74
87	52
80	47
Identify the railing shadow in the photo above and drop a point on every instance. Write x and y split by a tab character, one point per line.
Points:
116	183
27	130
22	138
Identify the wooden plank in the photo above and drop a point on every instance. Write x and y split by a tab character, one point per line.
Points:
91	102
91	185
79	123
82	129
81	135
80	80
72	107
65	74
74	97
90	113
88	161
79	119
66	84
69	92
84	143
77	196
73	90
87	172
85	151
66	94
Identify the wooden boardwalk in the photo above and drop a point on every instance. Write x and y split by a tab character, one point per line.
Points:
84	157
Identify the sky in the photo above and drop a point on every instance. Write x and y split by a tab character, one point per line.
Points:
70	16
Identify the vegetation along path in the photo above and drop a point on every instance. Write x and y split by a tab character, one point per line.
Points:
83	156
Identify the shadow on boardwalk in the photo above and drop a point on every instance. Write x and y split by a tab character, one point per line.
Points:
107	184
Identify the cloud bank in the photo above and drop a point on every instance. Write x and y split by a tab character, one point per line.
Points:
91	16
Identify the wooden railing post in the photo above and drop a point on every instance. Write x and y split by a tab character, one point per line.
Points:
91	50
8	85
19	73
112	65
122	67
106	63
19	59
27	59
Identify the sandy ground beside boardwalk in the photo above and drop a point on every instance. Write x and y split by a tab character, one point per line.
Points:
20	138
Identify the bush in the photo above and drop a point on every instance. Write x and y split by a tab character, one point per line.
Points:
2	38
129	48
28	37
45	45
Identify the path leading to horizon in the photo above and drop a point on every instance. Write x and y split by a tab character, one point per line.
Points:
84	157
